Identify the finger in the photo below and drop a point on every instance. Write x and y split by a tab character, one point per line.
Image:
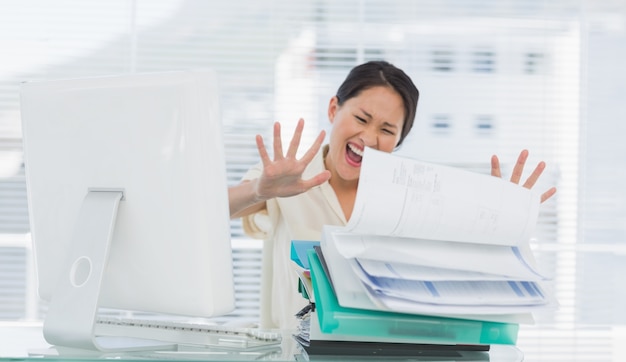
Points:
317	180
262	151
278	142
495	166
532	179
308	156
519	167
295	140
548	194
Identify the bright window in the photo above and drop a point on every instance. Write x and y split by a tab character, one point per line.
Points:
494	77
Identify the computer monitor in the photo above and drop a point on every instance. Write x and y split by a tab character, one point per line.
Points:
127	199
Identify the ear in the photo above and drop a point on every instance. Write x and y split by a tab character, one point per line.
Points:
333	106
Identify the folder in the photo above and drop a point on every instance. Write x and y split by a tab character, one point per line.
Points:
299	256
314	342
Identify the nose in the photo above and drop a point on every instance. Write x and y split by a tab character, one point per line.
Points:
368	136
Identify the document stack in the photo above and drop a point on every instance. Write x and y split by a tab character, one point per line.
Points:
434	258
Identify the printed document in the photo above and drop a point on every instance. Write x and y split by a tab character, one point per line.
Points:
429	201
427	238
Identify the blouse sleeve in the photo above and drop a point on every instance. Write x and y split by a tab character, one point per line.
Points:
259	224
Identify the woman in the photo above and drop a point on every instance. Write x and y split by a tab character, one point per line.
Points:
286	198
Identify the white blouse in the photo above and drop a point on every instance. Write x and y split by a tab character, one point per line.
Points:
298	217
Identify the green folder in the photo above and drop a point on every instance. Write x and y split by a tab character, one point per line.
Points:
399	327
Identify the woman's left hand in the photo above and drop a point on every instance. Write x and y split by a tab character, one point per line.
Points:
517	173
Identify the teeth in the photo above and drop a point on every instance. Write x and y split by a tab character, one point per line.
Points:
355	150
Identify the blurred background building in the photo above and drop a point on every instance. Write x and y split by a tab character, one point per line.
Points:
495	77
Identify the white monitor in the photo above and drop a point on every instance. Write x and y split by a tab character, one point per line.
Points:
127	198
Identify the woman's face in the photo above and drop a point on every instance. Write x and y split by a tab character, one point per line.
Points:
373	119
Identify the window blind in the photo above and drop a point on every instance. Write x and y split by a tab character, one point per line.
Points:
495	77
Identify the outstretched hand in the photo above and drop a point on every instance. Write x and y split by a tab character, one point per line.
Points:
282	176
517	173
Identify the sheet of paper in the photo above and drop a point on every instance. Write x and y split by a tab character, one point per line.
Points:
435	202
352	293
481	258
457	292
458	311
381	269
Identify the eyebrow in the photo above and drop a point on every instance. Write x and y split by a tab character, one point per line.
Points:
370	117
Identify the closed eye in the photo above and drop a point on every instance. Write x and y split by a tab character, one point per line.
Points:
361	119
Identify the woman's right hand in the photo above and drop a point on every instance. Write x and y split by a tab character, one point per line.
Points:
519	169
282	175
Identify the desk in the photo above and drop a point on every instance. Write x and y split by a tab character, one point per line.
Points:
19	342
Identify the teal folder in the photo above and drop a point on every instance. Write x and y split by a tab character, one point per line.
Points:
399	327
299	250
298	255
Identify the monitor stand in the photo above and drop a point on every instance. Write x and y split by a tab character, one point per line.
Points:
72	313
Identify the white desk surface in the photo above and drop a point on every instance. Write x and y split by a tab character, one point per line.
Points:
19	341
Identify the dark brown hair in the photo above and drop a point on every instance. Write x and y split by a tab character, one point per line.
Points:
382	73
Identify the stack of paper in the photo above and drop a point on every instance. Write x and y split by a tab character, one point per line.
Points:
431	241
327	328
439	241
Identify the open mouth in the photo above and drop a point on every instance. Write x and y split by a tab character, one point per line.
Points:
354	155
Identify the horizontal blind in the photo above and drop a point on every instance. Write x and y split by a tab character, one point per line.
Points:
13	206
495	77
13	273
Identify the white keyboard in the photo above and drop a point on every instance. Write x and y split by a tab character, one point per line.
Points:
188	333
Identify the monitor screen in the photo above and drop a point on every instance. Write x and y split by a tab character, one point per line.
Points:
127	195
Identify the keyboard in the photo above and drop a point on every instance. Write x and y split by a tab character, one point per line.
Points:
188	333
